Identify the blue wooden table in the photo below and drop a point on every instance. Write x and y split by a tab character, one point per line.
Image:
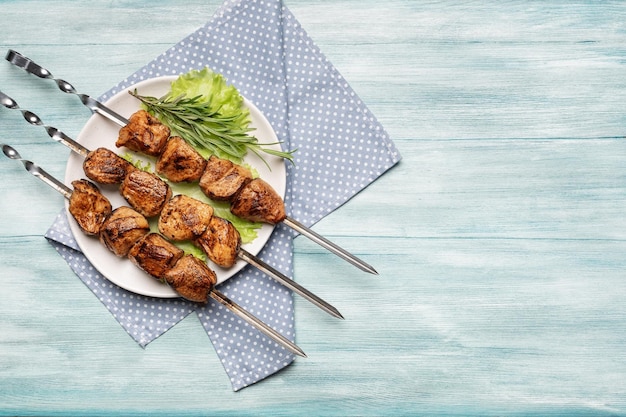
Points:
500	238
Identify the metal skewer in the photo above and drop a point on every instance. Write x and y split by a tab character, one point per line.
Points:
92	104
289	283
278	276
325	243
96	107
35	120
248	317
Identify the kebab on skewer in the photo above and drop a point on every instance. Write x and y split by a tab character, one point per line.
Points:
127	234
144	191
148	194
251	199
187	219
97	107
183	218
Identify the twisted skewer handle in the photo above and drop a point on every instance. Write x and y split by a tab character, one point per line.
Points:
92	104
35	120
21	61
37	171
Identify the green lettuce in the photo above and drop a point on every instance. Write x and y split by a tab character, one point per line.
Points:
209	114
213	89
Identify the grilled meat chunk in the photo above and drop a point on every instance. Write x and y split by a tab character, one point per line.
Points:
106	167
184	218
221	242
88	207
222	178
144	133
257	201
180	162
122	229
191	278
145	192
155	255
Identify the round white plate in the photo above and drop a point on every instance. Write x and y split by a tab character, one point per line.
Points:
100	132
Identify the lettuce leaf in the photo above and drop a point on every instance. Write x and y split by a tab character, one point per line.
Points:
212	88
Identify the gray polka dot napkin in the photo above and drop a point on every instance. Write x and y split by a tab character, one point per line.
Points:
260	47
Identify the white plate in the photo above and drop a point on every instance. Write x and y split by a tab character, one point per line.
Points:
100	132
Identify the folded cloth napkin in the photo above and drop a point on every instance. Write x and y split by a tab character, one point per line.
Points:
260	47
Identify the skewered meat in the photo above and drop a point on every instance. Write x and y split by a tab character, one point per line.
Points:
191	278
88	207
106	167
257	201
144	133
221	242
180	162
222	178
184	218
251	199
122	229
155	255
145	192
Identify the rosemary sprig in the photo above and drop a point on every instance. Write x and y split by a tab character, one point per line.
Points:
206	129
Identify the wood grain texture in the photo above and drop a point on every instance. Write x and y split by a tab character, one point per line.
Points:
500	238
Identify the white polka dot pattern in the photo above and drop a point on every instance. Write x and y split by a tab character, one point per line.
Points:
259	46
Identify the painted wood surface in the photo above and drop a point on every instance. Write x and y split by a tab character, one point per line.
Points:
500	238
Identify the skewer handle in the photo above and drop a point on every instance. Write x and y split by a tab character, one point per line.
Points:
37	171
35	120
92	104
21	61
253	320
63	139
325	243
47	178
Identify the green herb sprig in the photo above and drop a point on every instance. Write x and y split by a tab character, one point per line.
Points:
206	129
